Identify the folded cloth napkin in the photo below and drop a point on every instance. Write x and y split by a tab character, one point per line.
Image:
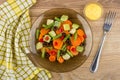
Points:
14	37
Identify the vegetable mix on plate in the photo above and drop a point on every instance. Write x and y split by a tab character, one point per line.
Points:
60	39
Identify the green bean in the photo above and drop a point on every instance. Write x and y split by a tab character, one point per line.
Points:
63	47
37	33
75	36
57	19
69	53
57	36
44	25
43	52
48	26
68	36
58	54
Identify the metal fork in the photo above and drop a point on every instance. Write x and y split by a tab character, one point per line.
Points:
106	28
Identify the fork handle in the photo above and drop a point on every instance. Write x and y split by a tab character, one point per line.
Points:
95	63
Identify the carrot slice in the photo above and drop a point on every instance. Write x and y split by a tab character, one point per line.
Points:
44	31
52	58
57	31
60	30
66	32
40	37
57	43
67	22
53	52
80	32
73	50
76	42
82	39
60	60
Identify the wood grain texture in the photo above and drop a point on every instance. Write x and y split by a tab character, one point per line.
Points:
109	68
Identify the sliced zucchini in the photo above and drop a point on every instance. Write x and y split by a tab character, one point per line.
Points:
66	56
39	45
57	24
75	26
72	31
66	27
47	38
52	33
49	21
64	18
80	48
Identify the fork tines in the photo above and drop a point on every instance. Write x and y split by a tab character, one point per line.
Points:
109	20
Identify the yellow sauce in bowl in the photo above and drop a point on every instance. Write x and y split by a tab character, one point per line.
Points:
93	11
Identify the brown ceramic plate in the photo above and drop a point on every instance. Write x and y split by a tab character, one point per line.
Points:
72	63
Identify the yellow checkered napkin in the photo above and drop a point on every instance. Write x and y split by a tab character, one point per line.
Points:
14	36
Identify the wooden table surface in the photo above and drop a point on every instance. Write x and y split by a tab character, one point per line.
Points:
109	68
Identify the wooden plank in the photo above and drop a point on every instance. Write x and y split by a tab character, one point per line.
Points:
110	60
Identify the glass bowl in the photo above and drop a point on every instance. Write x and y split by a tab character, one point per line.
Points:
72	63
